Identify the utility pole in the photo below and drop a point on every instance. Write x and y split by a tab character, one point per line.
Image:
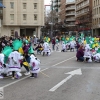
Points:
51	19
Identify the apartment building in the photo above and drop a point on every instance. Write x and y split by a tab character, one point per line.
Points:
62	12
84	16
22	17
56	8
70	14
96	18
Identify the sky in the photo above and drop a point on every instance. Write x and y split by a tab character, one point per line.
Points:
47	1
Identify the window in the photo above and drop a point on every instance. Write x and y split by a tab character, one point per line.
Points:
35	5
94	3
99	20
24	5
24	16
12	32
12	5
12	16
35	16
1	1
99	10
1	11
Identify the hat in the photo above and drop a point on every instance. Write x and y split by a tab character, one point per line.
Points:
98	51
7	50
30	50
17	44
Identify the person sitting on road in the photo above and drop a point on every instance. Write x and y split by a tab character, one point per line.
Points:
39	48
80	54
63	47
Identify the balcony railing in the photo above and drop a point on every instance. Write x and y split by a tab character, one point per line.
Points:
70	19
79	1
67	3
70	8
82	6
73	13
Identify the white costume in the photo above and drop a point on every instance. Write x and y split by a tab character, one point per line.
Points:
14	61
87	53
46	48
97	57
34	63
63	46
72	44
1	64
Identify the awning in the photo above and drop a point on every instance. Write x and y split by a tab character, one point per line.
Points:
2	6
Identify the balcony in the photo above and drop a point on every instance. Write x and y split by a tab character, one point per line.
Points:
70	8
79	1
70	14
69	3
82	6
71	24
70	19
81	14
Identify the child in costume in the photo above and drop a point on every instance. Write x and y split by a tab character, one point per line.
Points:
6	51
34	64
14	63
26	59
96	56
46	49
1	65
72	45
26	62
87	54
14	60
63	47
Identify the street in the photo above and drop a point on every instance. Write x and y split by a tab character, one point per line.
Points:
61	78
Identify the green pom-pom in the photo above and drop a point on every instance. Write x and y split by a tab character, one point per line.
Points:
30	50
26	41
98	51
7	50
17	44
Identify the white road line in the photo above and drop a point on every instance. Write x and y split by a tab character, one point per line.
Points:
60	84
72	73
29	76
62	61
77	67
20	80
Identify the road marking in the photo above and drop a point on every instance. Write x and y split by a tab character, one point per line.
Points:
29	76
45	74
77	67
63	61
72	73
19	80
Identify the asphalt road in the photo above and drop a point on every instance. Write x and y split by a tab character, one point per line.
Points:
53	69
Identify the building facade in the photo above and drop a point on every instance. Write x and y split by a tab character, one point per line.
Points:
96	18
70	14
22	17
84	16
62	12
56	9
